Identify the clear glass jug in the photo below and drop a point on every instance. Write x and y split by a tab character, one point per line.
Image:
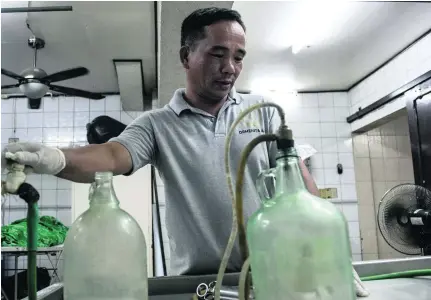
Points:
105	250
299	244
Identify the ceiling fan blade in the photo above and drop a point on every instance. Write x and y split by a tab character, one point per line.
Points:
9	86
76	92
66	74
11	74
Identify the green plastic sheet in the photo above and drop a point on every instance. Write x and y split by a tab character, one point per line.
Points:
51	232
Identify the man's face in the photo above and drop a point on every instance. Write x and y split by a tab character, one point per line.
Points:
215	62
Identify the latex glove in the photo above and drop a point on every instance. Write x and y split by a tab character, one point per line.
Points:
15	177
361	291
36	157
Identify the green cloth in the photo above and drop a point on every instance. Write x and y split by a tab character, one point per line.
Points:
50	231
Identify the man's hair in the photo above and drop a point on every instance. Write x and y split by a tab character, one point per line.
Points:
193	27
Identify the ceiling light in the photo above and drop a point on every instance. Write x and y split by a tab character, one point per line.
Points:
317	20
33	90
273	84
296	48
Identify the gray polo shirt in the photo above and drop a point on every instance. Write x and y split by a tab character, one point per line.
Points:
186	145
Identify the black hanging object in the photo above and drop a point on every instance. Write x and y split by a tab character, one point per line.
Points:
34	103
340	169
103	128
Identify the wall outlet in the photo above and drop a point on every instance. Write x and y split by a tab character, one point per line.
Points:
13	140
329	193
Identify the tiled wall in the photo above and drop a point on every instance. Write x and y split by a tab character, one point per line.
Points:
409	65
60	122
382	161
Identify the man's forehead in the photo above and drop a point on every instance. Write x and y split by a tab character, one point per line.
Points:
224	35
223	29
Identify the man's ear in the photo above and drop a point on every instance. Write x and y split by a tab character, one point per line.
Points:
184	56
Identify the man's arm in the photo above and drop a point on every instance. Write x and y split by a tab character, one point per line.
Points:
132	149
308	179
83	162
75	164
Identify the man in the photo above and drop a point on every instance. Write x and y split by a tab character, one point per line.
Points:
185	140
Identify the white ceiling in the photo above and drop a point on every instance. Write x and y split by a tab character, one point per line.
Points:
360	37
92	35
351	39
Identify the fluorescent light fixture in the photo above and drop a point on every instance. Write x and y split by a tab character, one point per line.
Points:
316	20
296	48
271	85
130	83
278	90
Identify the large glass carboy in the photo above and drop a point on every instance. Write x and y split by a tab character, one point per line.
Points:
105	250
299	244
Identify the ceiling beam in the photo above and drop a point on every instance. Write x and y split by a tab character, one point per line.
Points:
35	9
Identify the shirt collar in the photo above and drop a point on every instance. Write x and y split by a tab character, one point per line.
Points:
178	104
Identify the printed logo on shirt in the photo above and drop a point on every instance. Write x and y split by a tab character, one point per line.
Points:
252	123
251	130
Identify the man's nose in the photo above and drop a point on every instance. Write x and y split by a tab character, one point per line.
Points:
228	66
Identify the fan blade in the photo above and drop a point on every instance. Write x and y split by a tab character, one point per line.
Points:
9	86
76	92
66	74
11	74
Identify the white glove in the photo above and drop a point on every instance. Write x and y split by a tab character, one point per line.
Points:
14	179
361	291
36	157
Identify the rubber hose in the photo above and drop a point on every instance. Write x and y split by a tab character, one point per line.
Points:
242	287
239	187
239	201
32	220
234	230
403	274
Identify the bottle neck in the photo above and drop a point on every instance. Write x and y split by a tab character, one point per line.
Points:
289	175
102	191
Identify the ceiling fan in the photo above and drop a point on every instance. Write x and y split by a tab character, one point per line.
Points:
34	82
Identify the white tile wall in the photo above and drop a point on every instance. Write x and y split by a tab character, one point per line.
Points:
60	122
409	65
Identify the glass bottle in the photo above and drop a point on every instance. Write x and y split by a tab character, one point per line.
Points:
299	244
105	250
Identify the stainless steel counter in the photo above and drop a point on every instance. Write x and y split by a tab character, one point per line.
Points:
183	287
399	289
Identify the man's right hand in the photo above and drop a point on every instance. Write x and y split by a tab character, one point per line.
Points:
36	157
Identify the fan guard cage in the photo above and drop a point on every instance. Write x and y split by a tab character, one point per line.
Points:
404	238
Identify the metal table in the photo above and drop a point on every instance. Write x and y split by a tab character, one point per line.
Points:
17	252
183	287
